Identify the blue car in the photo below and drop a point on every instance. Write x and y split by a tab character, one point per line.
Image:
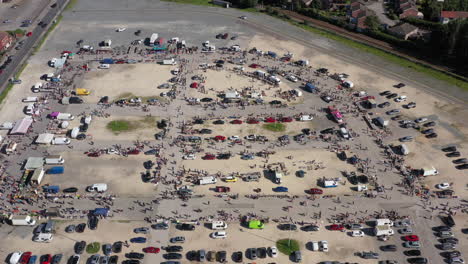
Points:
32	259
280	189
138	240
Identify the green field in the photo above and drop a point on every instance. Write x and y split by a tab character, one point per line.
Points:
275	127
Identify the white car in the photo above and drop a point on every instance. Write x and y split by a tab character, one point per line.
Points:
60	141
420	120
406	230
357	233
219	234
189	157
273	251
323	246
443	186
400	99
120	29
233	137
15	257
243	17
292	78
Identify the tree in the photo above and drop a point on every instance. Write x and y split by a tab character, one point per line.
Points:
431	10
372	22
248	3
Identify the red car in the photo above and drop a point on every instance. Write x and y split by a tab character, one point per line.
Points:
120	62
236	122
412	238
209	157
254	65
29	34
252	121
46	259
286	119
94	154
133	152
270	120
220	138
66	52
25	258
222	189
337	227
151	250
316	191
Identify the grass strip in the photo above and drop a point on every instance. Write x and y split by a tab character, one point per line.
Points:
70	4
275	127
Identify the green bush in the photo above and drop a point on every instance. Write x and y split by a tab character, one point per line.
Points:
287	246
93	248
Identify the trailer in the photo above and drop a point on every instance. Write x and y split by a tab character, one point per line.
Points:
429	171
37	176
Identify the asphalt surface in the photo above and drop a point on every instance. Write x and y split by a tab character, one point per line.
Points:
28	45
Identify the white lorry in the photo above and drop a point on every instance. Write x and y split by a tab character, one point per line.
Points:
97	187
383	230
207	180
22	220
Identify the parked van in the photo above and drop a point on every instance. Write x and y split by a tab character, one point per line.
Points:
383	221
315	246
61	141
54	159
104	66
97	187
218	225
29	109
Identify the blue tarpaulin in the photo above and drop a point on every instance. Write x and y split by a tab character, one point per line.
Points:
272	54
107	61
51	189
310	88
101	211
55	170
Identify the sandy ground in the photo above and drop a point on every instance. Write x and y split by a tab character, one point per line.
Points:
297	186
240	239
140	80
146	130
122	174
222	81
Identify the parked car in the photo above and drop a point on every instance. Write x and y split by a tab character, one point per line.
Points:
309	228
406	139
297	256
185	227
107	249
454	154
288	227
93	222
138	240
420	120
406	230
238	257
251	253
393	112
45	259
460	161
411	238
177	239
80	247
172	256
369	255
418	260
412	253
141	230
153	250
160	226
389	248
411	244
357	233
280	189
336	227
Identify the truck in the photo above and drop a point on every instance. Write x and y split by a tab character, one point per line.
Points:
54	159
278	177
153	39
429	171
22	220
169	62
383	221
383	230
37	176
97	187
207	180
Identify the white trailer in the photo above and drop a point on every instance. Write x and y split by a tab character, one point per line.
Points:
404	149
207	180
383	230
22	220
45	138
54	160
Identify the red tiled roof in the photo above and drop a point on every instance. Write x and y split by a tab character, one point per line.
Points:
3	34
454	14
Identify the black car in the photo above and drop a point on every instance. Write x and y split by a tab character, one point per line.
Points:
412	253
417	260
262	252
113	259
251	253
326	98
429	124
131	261
206	100
186	227
218	122
192	255
393	95
221	256
275	102
306	131
460	161
135	255
199	121
384	93
327	131
390	248
80	247
309	228
74	259
160	226
400	85
449	149
427	131
84	128
453	154
93	222
432	135
462	167
70	229
451	240
56	258
289	227
80	228
151	152
238	256
117	247
70	190
205	131
382	105
172	256
173	248
224	156
75	100
452	254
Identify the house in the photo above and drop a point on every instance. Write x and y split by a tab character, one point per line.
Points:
221	3
5	40
408	11
403	31
447	16
357	13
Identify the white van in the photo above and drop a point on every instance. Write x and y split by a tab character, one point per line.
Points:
218	225
60	141
344	132
97	187
104	66
29	109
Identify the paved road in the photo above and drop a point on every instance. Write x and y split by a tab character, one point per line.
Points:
29	44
